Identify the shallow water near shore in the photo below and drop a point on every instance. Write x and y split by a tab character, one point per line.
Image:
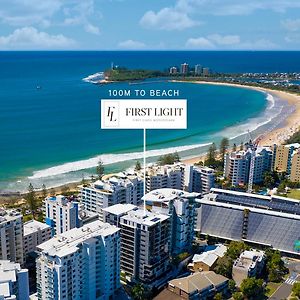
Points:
50	118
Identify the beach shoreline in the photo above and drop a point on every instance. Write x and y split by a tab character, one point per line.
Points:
279	135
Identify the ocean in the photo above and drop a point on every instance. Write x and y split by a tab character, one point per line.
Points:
50	117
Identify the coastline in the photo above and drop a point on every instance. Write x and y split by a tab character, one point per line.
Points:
291	123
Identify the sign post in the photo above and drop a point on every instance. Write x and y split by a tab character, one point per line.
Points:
144	114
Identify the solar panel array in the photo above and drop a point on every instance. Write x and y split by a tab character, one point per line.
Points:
221	221
275	204
277	231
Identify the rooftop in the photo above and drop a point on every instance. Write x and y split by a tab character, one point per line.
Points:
248	259
9	215
166	194
34	226
119	209
8	270
210	255
67	242
198	281
140	217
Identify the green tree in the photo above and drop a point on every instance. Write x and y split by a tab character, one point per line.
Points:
232	286
235	248
296	289
138	292
252	288
268	180
44	191
168	159
211	155
275	266
100	169
31	198
218	296
138	166
242	146
238	296
234	147
223	147
224	266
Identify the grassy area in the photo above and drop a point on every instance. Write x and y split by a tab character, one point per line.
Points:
295	194
271	288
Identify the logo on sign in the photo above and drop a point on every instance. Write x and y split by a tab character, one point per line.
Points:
111	113
297	245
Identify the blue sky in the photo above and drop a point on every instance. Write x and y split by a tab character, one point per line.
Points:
150	24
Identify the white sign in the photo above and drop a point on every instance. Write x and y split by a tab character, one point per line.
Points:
143	114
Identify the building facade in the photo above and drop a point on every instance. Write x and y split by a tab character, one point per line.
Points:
113	189
283	157
61	214
35	233
80	264
11	236
145	246
237	165
180	207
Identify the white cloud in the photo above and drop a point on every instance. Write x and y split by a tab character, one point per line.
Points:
225	40
291	25
232	42
92	29
200	43
167	19
131	45
31	38
28	12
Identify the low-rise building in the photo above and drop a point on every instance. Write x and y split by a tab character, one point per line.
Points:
207	260
249	264
35	233
201	285
14	282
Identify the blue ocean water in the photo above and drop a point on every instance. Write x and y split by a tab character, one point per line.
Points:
52	134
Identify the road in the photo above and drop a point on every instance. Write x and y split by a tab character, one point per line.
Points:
285	289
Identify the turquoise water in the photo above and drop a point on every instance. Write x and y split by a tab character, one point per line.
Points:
52	135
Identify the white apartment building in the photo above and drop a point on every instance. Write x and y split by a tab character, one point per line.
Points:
61	214
167	176
113	189
14	284
112	214
11	236
80	264
180	206
35	233
249	264
145	246
199	179
237	165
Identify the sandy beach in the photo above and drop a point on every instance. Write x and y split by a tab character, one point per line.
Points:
289	124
